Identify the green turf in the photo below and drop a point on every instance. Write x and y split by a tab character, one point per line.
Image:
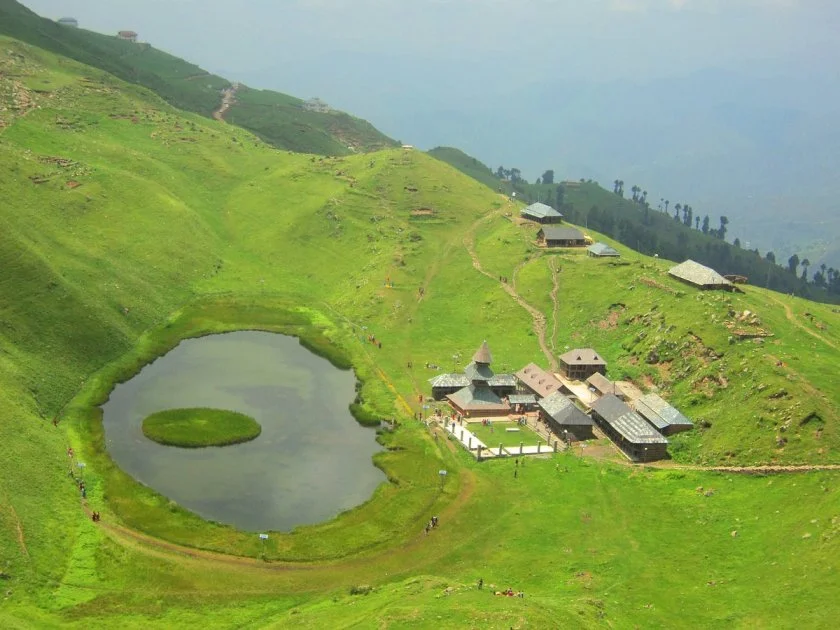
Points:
127	226
494	434
198	427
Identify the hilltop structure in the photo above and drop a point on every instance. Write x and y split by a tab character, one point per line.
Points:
541	213
700	276
69	21
129	36
315	104
561	237
602	250
664	418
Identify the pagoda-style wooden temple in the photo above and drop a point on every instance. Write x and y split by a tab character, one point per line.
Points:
478	398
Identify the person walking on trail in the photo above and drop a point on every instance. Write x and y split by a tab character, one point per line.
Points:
515	473
480	583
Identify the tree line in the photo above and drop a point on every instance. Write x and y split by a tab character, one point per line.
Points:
674	231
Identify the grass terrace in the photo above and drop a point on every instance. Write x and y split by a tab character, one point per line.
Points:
496	433
200	427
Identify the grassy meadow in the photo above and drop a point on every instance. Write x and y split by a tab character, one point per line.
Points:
127	225
200	427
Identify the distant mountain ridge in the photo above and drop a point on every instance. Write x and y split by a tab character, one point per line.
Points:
279	119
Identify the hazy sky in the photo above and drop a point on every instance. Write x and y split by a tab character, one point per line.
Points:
273	40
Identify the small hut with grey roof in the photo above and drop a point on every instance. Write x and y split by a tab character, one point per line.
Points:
535	380
700	276
541	213
581	363
565	419
601	250
628	430
477	398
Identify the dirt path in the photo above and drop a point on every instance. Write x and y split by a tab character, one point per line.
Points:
228	99
555	307
20	538
793	319
538	318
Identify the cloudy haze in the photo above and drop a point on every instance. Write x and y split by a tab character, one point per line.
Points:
727	104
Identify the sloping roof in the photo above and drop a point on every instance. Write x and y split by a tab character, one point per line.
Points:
698	274
538	380
601	383
502	380
659	413
127	34
602	249
478	372
561	233
626	422
482	355
522	399
582	356
449	380
563	410
477	398
540	210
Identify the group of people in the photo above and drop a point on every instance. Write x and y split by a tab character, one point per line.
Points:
95	517
432	524
508	593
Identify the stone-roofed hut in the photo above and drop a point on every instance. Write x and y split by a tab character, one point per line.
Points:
129	36
601	250
69	21
535	380
581	363
700	276
664	418
478	398
554	236
541	213
565	419
628	430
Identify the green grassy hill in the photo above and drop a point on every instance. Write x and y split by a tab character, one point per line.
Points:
127	225
277	118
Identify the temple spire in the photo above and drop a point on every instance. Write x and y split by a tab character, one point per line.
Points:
483	354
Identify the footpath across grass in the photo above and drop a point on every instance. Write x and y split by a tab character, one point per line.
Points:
200	427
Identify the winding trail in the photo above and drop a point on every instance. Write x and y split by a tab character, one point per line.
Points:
228	99
793	319
555	307
537	316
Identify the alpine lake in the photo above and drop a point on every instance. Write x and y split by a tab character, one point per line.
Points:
311	461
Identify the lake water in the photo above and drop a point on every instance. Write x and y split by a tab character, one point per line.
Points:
311	461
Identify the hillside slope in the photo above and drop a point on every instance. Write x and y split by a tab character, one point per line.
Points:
124	218
277	118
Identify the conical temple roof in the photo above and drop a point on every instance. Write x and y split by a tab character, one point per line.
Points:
483	354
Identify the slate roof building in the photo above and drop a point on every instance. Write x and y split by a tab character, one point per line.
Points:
443	384
69	21
628	430
700	276
541	213
537	381
581	363
477	398
553	236
129	36
565	419
601	250
664	418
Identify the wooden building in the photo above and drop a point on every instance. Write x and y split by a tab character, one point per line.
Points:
129	36
628	430
581	363
541	213
69	21
664	418
477	398
535	380
561	237
603	386
700	276
565	419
